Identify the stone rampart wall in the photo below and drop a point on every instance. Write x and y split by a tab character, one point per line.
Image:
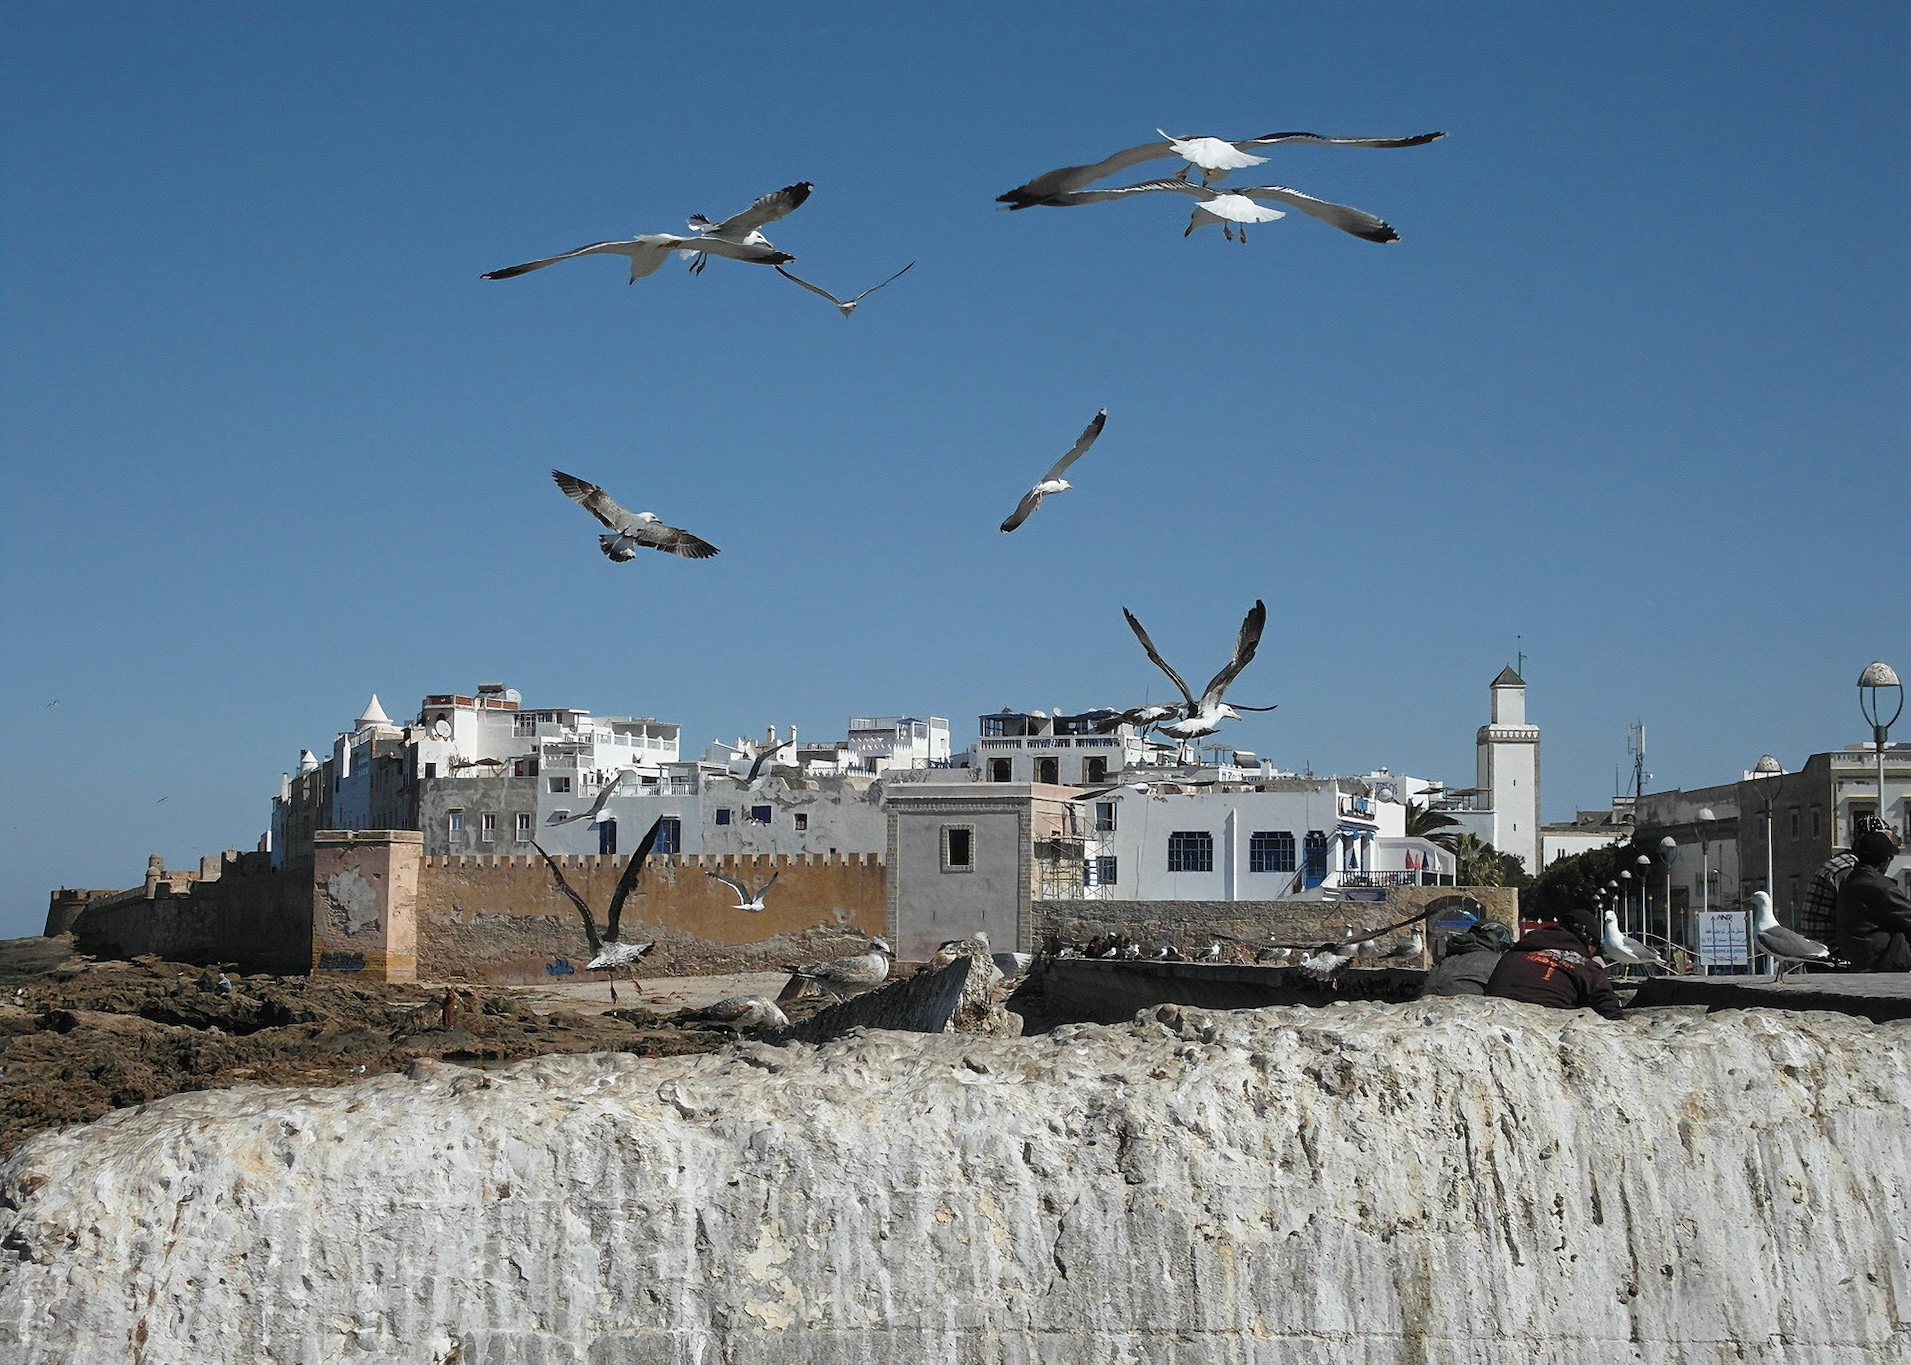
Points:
259	921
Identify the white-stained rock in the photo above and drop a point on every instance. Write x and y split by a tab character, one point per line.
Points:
1456	1180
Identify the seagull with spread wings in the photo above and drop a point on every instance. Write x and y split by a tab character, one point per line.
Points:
630	531
745	229
764	756
747	898
1203	716
597	806
1053	482
609	952
845	306
1235	209
1213	156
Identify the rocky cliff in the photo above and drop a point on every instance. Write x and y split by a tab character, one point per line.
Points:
1459	1180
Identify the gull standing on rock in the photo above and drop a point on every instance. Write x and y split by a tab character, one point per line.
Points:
1053	482
843	976
1204	717
844	306
610	952
1621	947
1784	944
628	530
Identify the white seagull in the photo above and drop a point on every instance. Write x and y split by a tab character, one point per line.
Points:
843	976
1328	960
597	806
745	229
741	1012
747	899
1622	947
629	531
609	952
649	251
845	306
1784	944
1204	717
1235	209
1213	156
1053	482
763	756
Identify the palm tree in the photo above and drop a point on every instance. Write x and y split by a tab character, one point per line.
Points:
1424	822
1480	864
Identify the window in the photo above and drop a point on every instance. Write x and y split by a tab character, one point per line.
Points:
760	815
524	767
723	816
1099	871
999	770
669	835
560	786
1270	850
1104	817
1190	850
1048	770
958	848
1316	855
1094	770
454	822
524	827
802	820
607	837
1794	822
1817	822
431	770
488	826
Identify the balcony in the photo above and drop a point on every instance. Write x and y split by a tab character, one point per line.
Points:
1381	879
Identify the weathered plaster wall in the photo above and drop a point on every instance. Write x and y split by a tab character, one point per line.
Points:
1466	1180
501	919
364	887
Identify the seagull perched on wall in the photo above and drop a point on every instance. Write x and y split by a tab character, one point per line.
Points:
609	952
1204	717
629	531
1053	482
1621	947
1235	209
1787	945
597	806
1214	157
745	229
747	899
844	306
844	976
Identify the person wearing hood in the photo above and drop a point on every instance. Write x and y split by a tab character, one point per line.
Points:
1874	914
1468	961
1556	964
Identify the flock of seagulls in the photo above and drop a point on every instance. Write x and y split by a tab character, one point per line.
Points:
1192	717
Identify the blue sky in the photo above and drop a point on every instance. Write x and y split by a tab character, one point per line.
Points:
1630	394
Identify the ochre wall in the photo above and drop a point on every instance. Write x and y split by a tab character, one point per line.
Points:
364	889
500	918
252	918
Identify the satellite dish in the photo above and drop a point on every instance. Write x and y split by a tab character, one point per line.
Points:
441	728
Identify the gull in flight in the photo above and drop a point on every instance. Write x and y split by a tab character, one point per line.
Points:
1204	717
1621	947
1213	156
609	952
1235	209
597	806
845	306
747	899
630	531
1053	482
763	756
745	229
649	251
1784	944
843	976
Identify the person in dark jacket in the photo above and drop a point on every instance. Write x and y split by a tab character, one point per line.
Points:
1555	965
1874	914
1469	961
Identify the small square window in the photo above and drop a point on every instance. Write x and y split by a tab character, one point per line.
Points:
454	822
431	770
1000	770
560	786
1100	870
802	820
1104	817
958	848
760	814
524	827
488	826
723	815
1270	850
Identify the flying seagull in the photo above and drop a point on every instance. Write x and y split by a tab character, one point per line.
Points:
763	757
1235	209
648	252
745	229
1621	947
846	306
1053	482
1214	156
1204	717
609	952
1782	943
843	976
597	806
630	531
747	899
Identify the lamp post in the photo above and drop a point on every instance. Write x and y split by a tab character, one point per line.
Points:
1625	901
1706	817
1764	770
1879	688
1644	864
1667	847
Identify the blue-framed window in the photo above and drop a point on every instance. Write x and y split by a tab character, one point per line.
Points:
669	835
1100	870
1315	850
1270	850
1191	850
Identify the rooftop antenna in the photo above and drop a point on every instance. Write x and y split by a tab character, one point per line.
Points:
1519	644
1636	746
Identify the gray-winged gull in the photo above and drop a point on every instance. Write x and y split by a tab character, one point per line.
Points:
1053	482
630	530
609	952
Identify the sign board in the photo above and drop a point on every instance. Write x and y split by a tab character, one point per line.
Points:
1724	939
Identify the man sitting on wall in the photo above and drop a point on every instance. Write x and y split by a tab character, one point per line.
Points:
1468	963
1817	916
1556	965
1874	914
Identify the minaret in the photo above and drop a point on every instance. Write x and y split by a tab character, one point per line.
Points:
1508	773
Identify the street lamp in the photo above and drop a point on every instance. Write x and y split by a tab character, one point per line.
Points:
1668	846
1644	865
1706	817
1625	901
1879	688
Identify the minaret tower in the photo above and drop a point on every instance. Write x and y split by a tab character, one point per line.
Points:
1508	758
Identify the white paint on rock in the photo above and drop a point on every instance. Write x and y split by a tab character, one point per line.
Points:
1455	1180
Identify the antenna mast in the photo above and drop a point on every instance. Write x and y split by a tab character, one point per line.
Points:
1636	746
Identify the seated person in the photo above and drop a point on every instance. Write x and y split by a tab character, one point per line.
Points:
1556	965
1470	958
1874	914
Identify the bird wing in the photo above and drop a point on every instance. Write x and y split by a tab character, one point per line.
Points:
628	882
767	209
634	248
557	874
1080	448
1023	509
595	501
1783	942
731	882
673	540
1321	140
1245	644
754	253
1155	654
1043	188
815	288
1167	186
764	890
764	757
1352	220
891	280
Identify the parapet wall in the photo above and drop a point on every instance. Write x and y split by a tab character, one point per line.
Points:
240	913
